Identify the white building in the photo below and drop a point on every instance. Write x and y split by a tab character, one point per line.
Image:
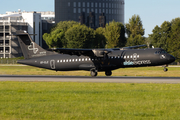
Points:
13	21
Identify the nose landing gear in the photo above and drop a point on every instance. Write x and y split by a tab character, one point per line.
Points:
165	69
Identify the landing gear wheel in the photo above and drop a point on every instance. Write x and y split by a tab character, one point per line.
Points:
108	73
94	73
165	69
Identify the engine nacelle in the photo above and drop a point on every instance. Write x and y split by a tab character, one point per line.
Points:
101	52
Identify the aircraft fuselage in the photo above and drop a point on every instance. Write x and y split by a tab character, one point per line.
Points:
116	59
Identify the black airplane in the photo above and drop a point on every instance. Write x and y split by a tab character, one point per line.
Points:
93	60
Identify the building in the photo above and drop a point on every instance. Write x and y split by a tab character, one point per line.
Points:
32	22
9	46
93	13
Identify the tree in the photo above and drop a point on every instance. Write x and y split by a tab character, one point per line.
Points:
65	25
100	39
80	36
55	38
135	31
160	35
148	41
115	34
174	39
156	36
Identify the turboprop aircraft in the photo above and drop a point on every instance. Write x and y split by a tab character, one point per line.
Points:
93	60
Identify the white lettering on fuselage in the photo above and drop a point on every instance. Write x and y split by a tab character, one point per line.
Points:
44	62
142	62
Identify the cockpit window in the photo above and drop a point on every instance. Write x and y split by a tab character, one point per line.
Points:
160	52
163	51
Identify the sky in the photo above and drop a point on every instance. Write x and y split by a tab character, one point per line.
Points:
151	12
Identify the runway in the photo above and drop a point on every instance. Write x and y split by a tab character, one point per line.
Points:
32	78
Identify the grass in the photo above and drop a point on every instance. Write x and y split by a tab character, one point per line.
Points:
83	101
89	101
143	71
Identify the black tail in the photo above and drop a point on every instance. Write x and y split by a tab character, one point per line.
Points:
29	48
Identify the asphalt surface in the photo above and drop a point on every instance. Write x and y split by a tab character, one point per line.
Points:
28	78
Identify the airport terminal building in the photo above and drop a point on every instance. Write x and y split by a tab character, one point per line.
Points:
93	13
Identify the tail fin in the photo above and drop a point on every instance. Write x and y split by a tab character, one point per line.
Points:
29	48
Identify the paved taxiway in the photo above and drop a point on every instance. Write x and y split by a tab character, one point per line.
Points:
91	79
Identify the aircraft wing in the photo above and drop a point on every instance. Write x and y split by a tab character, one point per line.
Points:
133	47
91	52
71	51
85	52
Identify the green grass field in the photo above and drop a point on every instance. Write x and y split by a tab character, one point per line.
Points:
143	71
89	101
83	101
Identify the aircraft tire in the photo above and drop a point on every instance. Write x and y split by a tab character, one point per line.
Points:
165	69
93	73
108	73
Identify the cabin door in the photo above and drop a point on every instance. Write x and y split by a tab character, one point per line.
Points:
52	64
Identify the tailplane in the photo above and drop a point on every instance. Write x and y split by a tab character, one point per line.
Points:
29	48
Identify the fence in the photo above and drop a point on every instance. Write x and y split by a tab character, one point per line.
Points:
10	60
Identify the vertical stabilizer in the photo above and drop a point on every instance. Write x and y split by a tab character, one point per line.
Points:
29	48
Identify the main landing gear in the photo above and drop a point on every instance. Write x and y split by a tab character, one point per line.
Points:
108	73
94	73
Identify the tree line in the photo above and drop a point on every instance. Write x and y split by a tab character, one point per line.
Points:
167	36
71	34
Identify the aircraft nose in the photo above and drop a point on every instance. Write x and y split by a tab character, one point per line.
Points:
171	58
